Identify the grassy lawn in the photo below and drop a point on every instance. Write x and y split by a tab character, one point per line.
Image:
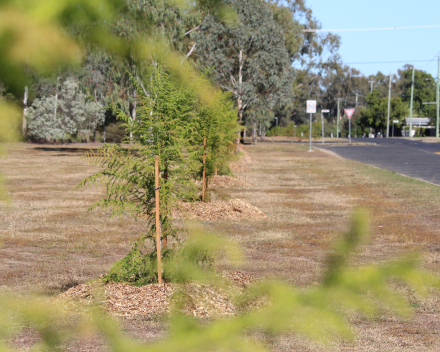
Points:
50	241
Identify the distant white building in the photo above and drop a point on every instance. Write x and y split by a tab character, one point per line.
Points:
418	122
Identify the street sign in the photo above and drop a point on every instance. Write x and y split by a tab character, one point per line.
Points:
349	112
311	106
395	121
325	111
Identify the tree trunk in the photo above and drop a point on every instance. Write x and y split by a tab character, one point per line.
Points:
25	99
240	84
133	114
254	130
239	99
56	101
103	122
96	122
240	116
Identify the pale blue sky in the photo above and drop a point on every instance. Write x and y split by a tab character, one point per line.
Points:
379	46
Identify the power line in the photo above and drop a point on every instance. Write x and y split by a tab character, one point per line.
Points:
378	62
429	63
367	29
384	62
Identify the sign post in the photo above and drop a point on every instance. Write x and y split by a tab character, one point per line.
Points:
349	113
337	121
322	122
311	109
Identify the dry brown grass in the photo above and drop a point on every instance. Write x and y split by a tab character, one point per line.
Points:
309	198
49	239
51	243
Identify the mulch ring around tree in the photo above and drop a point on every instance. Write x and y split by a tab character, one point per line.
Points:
231	209
202	301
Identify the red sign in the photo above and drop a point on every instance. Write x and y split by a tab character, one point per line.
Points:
349	112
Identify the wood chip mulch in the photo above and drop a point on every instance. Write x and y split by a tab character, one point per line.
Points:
232	209
127	300
202	301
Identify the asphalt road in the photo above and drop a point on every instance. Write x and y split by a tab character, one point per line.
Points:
407	157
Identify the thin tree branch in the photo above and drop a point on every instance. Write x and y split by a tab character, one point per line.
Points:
142	86
192	48
193	29
229	89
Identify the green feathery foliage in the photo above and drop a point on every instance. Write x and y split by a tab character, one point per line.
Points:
218	123
194	260
171	123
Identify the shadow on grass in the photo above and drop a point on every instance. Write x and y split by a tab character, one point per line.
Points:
67	150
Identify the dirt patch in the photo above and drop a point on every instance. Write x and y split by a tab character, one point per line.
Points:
225	181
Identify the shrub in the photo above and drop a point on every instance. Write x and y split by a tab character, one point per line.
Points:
115	132
67	113
170	123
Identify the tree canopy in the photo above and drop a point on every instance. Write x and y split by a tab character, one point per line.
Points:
376	113
424	92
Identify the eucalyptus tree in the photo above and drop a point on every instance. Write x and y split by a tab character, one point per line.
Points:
310	51
166	20
248	59
313	54
64	114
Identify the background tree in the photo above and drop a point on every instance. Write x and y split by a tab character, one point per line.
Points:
375	115
424	91
69	30
250	59
317	54
63	114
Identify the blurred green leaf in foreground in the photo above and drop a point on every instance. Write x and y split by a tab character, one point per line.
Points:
319	312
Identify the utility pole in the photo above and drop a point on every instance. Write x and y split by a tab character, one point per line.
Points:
437	99
389	109
411	104
372	81
337	120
